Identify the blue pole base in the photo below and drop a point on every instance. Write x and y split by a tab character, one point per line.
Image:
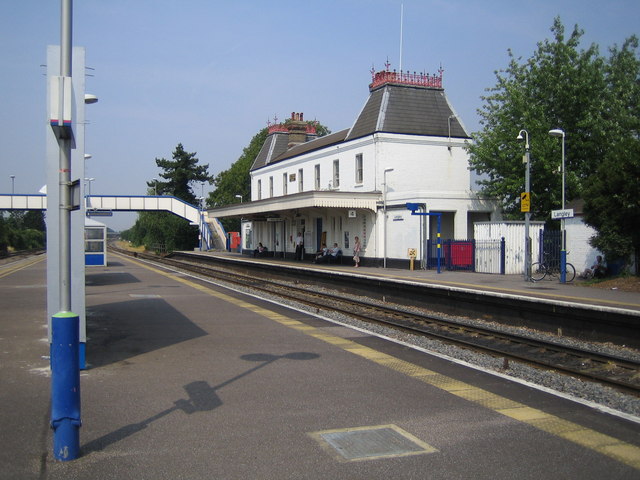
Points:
563	266
65	385
66	440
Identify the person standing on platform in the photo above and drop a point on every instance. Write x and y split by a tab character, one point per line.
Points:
299	247
356	251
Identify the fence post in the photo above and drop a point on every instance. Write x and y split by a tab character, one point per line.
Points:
503	256
473	255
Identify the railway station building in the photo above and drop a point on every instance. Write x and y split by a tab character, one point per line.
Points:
406	146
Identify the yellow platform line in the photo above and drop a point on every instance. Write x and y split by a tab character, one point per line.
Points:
612	447
10	269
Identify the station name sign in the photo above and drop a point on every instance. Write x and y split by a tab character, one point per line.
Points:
100	213
560	214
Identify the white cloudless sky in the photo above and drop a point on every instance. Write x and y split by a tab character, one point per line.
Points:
210	74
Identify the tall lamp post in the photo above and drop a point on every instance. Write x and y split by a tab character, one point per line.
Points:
13	180
240	197
556	132
527	216
384	209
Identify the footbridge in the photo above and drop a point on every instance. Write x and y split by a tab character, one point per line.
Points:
212	233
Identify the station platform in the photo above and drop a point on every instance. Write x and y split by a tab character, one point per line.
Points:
186	379
548	289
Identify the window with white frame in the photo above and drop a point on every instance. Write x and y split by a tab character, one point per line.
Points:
285	184
317	177
336	173
259	189
300	181
359	176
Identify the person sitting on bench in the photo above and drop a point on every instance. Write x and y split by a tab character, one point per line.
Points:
322	252
260	251
331	256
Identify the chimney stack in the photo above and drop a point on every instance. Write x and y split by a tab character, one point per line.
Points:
297	130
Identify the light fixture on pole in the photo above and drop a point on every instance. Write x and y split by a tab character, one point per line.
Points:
384	214
556	132
526	196
155	186
13	180
240	197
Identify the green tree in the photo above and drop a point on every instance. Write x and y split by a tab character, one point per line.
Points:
594	100
613	205
558	87
22	230
612	195
164	231
179	174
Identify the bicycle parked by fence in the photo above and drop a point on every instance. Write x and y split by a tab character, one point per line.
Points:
539	270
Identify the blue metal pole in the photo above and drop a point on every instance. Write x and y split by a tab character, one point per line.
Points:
439	243
563	259
503	250
65	385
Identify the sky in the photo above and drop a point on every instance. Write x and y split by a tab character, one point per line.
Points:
210	74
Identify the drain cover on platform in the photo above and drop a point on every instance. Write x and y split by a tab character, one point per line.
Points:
367	443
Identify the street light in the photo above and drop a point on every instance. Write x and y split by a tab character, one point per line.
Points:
384	208
527	216
13	180
155	186
240	197
556	132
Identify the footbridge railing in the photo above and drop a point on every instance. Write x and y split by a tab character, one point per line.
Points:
124	203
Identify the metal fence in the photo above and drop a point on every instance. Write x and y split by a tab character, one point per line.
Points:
491	256
550	246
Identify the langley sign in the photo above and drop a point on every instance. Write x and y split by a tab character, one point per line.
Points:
560	214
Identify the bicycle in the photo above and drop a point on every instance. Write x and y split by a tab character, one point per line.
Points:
539	270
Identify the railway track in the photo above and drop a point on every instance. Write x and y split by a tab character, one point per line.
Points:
620	373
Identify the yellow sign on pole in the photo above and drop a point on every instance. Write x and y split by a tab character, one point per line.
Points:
412	252
525	202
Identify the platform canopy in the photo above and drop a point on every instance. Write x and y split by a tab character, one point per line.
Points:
315	199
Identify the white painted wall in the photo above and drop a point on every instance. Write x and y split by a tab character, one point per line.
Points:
579	252
429	170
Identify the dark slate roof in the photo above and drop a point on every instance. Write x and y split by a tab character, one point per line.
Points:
405	109
279	152
274	145
391	108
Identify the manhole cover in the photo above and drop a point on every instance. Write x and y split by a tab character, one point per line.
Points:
367	443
